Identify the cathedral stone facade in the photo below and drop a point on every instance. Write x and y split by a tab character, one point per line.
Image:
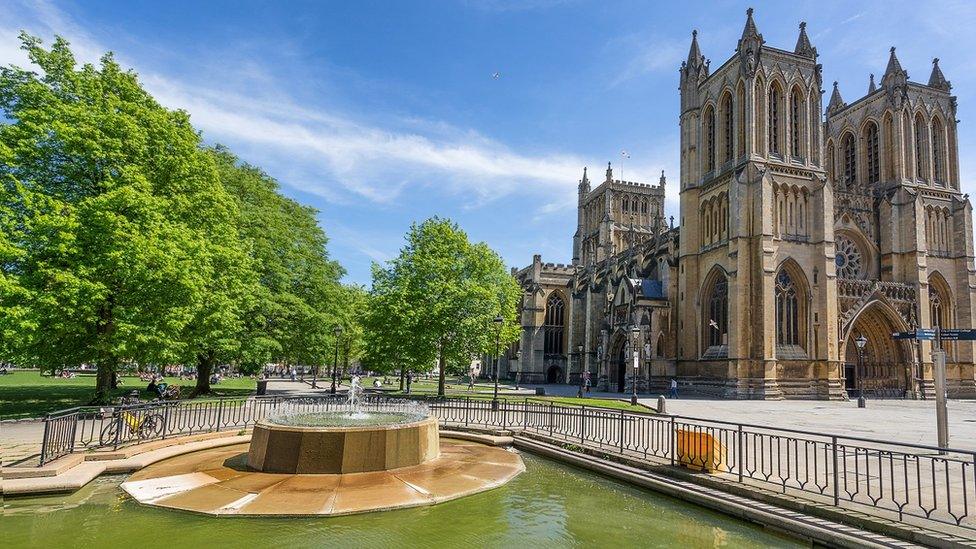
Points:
800	231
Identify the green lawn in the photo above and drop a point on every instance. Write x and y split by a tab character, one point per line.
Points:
29	394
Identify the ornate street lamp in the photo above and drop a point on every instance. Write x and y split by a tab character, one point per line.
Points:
579	357
335	365
861	341
636	346
498	332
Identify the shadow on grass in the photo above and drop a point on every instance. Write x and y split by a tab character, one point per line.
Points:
30	401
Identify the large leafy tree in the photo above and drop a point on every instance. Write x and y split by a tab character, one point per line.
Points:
443	293
298	299
130	233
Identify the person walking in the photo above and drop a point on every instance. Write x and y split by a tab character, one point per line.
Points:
674	389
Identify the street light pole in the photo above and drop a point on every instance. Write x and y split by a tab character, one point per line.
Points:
861	341
335	364
636	346
939	377
498	332
518	371
579	357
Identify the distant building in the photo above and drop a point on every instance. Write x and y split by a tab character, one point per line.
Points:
798	233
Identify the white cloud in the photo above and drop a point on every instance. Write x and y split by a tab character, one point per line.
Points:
326	148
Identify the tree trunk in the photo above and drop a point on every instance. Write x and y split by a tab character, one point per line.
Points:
105	378
440	370
105	372
205	364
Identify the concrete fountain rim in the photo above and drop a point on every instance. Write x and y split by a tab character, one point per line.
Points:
271	425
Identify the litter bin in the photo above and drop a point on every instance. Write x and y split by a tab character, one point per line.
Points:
262	387
540	391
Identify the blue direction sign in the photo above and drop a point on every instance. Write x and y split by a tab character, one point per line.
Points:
928	334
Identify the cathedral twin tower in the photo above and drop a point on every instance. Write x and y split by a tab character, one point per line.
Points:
797	235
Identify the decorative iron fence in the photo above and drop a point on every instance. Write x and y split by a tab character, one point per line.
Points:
904	482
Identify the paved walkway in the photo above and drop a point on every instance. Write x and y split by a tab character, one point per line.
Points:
908	421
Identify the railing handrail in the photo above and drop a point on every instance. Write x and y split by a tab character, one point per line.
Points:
506	402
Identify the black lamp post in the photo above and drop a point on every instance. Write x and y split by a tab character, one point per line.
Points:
335	364
579	357
636	346
498	332
861	341
518	372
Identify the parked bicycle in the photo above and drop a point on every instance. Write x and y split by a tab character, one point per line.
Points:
125	425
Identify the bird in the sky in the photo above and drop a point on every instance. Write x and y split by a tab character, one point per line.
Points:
713	324
496	75
625	154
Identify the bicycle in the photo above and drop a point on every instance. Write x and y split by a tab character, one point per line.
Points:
142	427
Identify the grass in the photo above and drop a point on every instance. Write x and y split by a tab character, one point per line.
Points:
29	394
484	390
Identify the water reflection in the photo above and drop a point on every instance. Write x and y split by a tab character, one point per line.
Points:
550	505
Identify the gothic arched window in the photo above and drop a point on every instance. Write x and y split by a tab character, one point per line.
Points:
873	166
921	146
938	151
709	140
717	312
554	326
796	116
831	169
727	127
850	159
787	310
775	117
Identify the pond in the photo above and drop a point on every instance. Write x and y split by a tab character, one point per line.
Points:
550	505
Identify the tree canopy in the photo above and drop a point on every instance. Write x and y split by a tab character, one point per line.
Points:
437	301
123	240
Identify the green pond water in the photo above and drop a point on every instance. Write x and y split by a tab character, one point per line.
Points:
550	505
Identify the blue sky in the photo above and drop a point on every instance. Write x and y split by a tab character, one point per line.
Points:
384	113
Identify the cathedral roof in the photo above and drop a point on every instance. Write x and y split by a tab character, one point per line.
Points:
872	87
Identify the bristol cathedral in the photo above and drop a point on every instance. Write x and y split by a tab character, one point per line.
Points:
801	232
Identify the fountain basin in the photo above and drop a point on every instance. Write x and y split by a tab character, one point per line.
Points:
325	448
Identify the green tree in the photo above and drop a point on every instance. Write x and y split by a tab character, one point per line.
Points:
444	293
118	262
298	299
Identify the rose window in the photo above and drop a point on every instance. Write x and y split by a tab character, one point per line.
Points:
848	258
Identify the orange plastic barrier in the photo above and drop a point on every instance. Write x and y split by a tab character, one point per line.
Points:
700	451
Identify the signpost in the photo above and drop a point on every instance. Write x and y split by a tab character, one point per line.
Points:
939	335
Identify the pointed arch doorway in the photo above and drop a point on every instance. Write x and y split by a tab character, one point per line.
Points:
885	367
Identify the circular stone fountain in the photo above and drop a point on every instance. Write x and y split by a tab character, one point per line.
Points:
329	463
330	443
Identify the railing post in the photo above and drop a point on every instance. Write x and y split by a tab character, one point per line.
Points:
117	418
467	408
220	413
833	443
551	416
674	435
740	453
44	442
622	429
582	423
165	420
525	413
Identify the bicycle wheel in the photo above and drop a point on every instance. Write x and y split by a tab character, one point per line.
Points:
107	436
152	426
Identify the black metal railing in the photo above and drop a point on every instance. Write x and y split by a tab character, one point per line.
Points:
906	482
